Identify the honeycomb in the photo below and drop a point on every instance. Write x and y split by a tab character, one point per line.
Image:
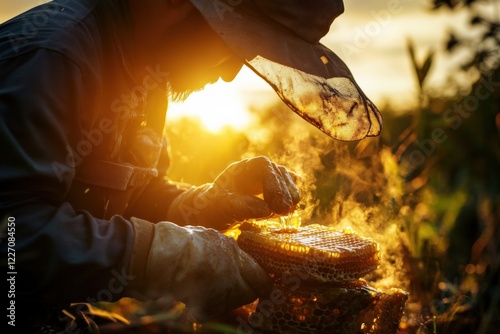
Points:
317	269
320	253
352	307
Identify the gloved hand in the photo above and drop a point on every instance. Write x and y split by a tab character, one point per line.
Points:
200	267
232	196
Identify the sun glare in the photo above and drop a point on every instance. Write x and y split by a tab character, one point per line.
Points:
217	106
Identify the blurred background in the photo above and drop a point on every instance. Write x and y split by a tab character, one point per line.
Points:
427	189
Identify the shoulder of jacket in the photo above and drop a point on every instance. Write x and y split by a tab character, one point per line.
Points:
65	26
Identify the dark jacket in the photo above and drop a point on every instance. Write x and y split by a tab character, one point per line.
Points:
82	149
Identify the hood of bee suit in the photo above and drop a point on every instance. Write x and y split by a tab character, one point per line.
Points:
279	41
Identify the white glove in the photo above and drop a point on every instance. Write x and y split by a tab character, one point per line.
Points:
233	195
200	267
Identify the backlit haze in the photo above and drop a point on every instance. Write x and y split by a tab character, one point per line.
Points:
370	37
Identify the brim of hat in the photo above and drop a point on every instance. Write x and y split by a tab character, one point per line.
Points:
310	78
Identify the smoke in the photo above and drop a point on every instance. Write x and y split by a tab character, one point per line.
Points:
369	200
302	154
342	184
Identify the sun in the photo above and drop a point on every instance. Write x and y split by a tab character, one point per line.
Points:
218	106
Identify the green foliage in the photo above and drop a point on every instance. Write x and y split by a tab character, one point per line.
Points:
421	71
449	157
485	47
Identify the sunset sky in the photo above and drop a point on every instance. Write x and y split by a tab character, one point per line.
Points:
370	37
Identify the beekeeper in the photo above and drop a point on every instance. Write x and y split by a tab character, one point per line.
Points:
83	92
